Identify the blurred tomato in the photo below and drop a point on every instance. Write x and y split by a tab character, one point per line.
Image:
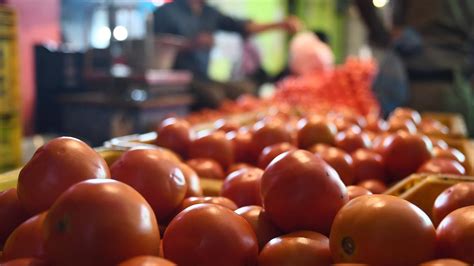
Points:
406	113
315	130
449	153
432	127
456	235
243	149
55	167
373	185
222	201
243	187
206	168
175	134
237	167
377	125
302	192
268	133
160	181
25	262
12	213
226	125
214	146
340	161
27	240
382	230
444	262
357	191
147	261
272	151
350	141
442	166
209	234
309	234
401	124
192	180
439	143
455	197
368	165
100	222
264	229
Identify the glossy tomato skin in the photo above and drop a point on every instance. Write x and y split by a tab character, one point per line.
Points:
147	261
27	240
226	125
357	191
25	262
401	124
94	223
214	146
339	160
449	153
243	187
207	168
175	134
263	228
455	197
209	234
350	140
55	167
368	164
442	166
302	192
222	201
406	113
314	130
160	181
382	230
243	148
12	213
444	262
433	127
270	152
265	134
373	185
456	235
192	181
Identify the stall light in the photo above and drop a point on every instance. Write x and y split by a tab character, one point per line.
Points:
158	3
120	33
380	3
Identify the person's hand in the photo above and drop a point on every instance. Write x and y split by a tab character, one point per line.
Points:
204	40
293	24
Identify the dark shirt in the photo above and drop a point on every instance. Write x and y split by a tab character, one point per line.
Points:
177	18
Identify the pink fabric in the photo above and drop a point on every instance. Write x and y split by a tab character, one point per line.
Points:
308	54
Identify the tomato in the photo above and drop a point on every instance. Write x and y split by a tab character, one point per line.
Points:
243	149
12	213
269	133
373	185
237	167
302	192
206	168
147	261
222	201
433	127
377	125
175	134
343	124
382	230
350	141
442	166
214	146
357	191
272	151
454	197
340	161
368	164
404	153
243	187
209	234
320	148
444	262
456	235
449	153
314	130
192	180
401	124
160	181
25	262
226	125
439	143
406	113
100	222
26	240
55	167
263	228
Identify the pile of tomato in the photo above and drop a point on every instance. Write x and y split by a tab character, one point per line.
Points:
296	191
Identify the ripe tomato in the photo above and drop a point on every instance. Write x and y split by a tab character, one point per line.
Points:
442	166
27	240
243	187
454	197
237	167
456	235
368	165
406	113
209	234
25	262
175	134
263	228
302	192
226	125
272	151
404	153
350	141
373	185
432	127
55	167
243	149
160	181
401	124
382	230
147	261
444	262
266	134
192	180
222	201
206	168
214	146
449	153
95	222
12	213
357	191
340	161
315	130
377	125
439	143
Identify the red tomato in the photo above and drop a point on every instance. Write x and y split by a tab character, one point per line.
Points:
378	125
373	185
454	197
449	153
404	153
401	124
25	262
442	166
350	141
266	134
263	228
439	143
433	127
340	161
309	234
368	165
222	201
55	167
209	234
272	151
192	180
160	181
382	230
456	235
314	130
243	187
237	167
444	262
243	149
320	148
214	146
175	134
27	240
226	125
302	192
12	213
206	168
357	191
406	113
100	222
147	261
